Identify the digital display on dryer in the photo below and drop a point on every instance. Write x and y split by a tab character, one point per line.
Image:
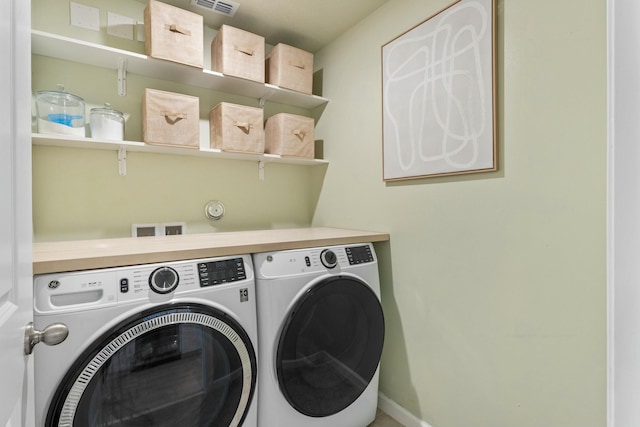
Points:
219	272
359	254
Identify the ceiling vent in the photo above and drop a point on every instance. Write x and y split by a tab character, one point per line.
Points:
224	7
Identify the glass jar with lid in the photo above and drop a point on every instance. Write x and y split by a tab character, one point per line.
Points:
107	123
60	112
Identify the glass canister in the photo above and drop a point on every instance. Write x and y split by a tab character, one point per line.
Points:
60	112
107	123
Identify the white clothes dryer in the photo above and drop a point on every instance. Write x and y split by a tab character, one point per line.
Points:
321	332
170	344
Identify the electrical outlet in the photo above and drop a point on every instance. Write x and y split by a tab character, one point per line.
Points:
145	230
174	229
168	229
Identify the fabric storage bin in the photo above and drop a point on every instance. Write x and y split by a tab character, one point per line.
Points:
237	128
173	34
238	53
290	67
289	135
170	119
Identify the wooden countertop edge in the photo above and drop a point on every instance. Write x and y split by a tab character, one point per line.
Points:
50	257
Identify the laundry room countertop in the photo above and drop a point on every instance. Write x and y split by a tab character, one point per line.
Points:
51	257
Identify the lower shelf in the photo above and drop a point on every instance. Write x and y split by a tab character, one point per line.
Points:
135	146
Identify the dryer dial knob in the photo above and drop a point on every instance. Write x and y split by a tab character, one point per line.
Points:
163	280
328	258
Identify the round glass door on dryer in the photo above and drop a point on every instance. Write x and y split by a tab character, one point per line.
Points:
330	346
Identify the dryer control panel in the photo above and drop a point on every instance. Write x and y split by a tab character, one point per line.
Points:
328	259
359	254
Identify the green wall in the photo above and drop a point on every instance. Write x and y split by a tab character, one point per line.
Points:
493	284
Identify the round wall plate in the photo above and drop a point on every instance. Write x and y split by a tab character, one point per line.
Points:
214	210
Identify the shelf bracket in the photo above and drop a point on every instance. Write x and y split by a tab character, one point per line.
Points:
122	76
122	161
261	170
264	99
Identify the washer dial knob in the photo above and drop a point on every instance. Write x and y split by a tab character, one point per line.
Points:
163	280
328	258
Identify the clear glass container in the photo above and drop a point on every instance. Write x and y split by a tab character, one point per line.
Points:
60	112
107	123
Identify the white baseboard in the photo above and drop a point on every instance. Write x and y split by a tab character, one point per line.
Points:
398	413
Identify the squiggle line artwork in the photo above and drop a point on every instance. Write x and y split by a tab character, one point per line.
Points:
437	94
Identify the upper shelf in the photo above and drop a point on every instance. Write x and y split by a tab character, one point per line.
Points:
136	146
69	49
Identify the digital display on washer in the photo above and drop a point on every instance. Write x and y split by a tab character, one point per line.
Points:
218	272
359	254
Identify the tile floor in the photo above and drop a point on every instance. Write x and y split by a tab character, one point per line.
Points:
384	420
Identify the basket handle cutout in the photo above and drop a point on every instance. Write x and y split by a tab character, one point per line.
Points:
245	50
173	117
244	126
297	65
176	29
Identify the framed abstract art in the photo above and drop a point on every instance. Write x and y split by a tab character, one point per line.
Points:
439	100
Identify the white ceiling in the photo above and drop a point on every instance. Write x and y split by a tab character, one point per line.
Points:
306	24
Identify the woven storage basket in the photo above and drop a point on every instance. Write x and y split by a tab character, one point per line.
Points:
173	34
237	128
238	53
170	119
290	68
289	135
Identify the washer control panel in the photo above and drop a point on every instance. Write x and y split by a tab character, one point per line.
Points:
219	272
82	290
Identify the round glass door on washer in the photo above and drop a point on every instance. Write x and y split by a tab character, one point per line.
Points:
181	362
321	331
177	365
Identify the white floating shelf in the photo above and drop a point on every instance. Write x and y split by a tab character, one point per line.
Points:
69	49
135	146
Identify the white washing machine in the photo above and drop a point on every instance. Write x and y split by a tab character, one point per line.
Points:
171	344
321	332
